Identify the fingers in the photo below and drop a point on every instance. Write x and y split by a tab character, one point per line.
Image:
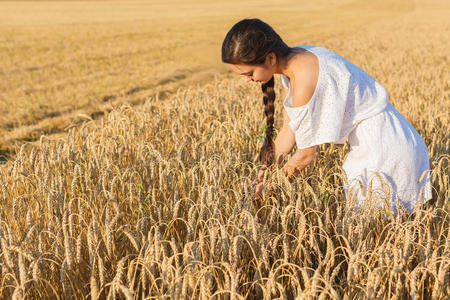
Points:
261	175
260	188
259	191
256	187
287	170
258	184
290	172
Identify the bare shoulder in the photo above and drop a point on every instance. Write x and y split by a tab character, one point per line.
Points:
306	76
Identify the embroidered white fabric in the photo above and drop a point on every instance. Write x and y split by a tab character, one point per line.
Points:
350	104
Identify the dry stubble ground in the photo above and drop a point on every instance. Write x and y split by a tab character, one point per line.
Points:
148	202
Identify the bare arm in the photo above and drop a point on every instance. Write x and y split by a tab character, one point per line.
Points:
284	143
301	95
285	140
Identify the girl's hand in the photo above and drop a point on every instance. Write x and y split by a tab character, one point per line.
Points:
290	171
258	183
256	187
259	190
260	177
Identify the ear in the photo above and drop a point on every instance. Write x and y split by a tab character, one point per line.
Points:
272	59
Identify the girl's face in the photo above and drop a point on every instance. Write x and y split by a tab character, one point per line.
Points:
258	73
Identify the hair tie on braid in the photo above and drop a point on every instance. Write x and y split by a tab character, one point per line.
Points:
267	153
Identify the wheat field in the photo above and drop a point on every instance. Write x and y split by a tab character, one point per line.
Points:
148	201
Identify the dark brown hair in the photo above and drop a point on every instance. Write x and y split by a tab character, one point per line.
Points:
249	42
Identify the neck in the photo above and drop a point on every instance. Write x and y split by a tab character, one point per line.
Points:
283	66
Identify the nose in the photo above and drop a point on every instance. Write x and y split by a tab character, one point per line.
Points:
247	78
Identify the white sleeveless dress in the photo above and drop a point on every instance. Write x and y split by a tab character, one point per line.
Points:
387	159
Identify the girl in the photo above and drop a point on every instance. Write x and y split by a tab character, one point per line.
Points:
331	100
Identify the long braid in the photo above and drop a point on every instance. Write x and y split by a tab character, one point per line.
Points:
267	153
249	42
